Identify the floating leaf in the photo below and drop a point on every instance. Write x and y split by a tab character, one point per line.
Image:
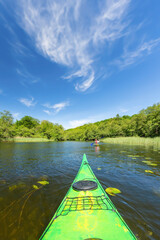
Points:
153	164
133	156
150	163
147	158
43	182
98	168
149	171
112	191
13	187
150	233
35	187
147	162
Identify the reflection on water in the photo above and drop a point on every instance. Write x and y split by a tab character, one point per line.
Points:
27	202
97	148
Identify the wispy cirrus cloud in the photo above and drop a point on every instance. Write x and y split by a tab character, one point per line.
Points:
48	112
28	102
131	56
56	107
1	91
70	32
26	77
59	106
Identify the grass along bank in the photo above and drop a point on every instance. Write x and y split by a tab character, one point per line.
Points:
28	139
153	142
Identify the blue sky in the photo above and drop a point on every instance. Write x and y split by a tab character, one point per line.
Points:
75	62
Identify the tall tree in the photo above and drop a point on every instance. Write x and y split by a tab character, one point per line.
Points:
6	125
28	122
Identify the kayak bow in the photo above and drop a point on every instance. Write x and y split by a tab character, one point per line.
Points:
87	212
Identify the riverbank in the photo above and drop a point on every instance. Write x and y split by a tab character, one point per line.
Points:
28	139
153	142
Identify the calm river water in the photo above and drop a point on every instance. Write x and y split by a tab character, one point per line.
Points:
25	211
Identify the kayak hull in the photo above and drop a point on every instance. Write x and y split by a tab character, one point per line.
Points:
88	214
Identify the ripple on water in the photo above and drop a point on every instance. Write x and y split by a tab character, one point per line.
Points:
25	211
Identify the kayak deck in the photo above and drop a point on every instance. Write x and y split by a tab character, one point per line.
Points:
87	214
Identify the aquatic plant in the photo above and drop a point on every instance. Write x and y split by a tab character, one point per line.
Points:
150	163
43	182
6	211
149	171
147	142
112	191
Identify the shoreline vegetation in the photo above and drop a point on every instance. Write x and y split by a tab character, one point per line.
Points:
120	129
28	139
135	141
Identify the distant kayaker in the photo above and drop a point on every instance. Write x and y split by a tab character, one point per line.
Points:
96	141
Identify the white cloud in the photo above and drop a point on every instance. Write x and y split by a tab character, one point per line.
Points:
26	77
123	110
57	107
109	24
48	112
15	115
129	57
77	123
87	83
68	33
93	118
27	102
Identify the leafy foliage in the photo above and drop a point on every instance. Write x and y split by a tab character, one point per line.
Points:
6	125
29	127
144	124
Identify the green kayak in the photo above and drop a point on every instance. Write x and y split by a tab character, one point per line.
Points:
87	212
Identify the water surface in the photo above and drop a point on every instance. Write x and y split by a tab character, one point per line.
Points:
26	211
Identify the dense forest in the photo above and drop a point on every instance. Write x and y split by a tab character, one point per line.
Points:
28	127
144	124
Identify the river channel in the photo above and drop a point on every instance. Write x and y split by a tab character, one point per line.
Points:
27	206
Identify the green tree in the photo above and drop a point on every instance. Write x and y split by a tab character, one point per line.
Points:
57	132
144	124
6	125
46	129
91	132
28	122
23	131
